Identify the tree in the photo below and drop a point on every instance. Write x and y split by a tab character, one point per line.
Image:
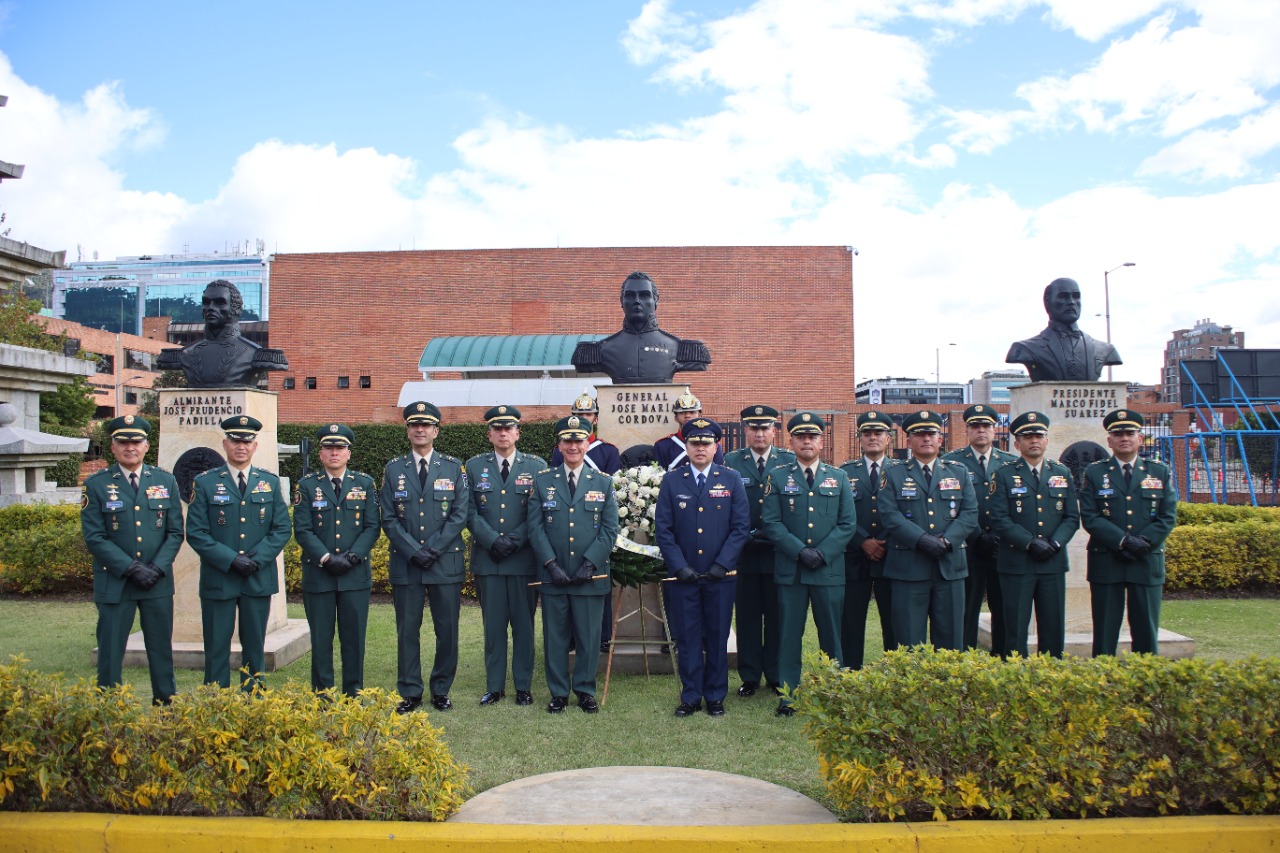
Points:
71	405
17	326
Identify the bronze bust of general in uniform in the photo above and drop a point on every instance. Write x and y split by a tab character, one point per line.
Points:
223	359
1062	352
641	353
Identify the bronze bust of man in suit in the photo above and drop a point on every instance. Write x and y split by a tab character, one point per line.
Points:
1062	352
223	359
641	353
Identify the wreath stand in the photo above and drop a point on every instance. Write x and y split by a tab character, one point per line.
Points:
645	610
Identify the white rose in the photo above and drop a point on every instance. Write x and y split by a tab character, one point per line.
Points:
622	512
644	524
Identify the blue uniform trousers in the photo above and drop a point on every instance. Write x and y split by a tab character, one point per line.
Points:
703	612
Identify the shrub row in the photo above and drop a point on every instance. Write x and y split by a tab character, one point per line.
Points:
922	734
1242	556
283	753
1189	514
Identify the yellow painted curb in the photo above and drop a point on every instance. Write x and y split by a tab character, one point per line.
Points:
94	833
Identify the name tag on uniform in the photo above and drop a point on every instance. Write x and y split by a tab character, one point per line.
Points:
221	499
483	486
1152	483
1106	493
114	505
319	504
444	485
791	489
398	495
948	483
746	481
908	492
548	504
1018	490
1057	481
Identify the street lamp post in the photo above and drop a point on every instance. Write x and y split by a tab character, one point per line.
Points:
937	374
1106	292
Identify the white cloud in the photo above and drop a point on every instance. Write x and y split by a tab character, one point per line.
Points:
1226	153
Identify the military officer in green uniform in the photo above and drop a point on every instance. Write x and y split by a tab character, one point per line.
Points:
982	458
928	508
809	516
425	503
1035	513
1128	504
756	597
238	524
131	520
501	558
335	520
573	524
864	558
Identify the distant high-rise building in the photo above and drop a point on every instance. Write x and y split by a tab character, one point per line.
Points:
994	385
895	390
1201	341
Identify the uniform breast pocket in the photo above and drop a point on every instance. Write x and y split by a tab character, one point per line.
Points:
522	496
443	500
260	508
827	501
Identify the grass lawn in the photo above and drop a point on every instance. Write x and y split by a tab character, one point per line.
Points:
505	742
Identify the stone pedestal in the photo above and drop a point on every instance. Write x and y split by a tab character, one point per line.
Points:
636	414
189	420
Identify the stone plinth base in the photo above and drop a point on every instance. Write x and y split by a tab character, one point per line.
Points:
1172	645
283	646
636	414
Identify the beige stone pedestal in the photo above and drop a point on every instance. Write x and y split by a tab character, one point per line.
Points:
636	414
189	419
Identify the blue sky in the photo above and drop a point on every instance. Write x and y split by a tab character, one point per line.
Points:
972	151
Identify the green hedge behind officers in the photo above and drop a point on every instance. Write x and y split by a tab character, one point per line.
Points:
425	503
1129	505
335	520
238	524
502	560
131	519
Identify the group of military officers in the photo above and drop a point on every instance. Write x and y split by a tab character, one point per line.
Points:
762	532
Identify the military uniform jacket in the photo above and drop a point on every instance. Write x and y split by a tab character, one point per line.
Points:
866	502
981	482
1110	511
120	526
223	523
325	523
1020	513
434	515
756	561
572	529
499	508
796	517
669	452
948	508
698	529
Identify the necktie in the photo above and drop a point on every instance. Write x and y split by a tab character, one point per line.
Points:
875	474
422	473
702	481
133	480
337	487
760	466
808	475
1128	475
1035	475
506	469
982	464
243	485
573	483
928	478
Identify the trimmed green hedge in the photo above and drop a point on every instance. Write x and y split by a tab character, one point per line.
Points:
942	735
1226	514
1243	555
42	551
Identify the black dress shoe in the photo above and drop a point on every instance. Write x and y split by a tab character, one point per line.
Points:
688	709
557	704
440	703
604	647
409	704
493	697
587	703
784	711
747	690
524	697
715	709
776	688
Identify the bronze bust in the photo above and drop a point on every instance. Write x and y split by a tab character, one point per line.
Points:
223	359
641	353
1062	352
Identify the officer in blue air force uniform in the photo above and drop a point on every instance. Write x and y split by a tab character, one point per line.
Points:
809	516
573	525
501	557
756	596
238	524
131	519
864	558
702	522
1035	513
425	502
1129	505
928	507
335	522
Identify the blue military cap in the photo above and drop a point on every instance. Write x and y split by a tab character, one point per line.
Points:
759	416
241	427
980	413
502	416
573	428
806	423
1030	423
421	413
335	435
874	420
922	421
1122	420
701	431
128	428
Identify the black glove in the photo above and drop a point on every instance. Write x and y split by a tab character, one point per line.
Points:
337	564
717	572
158	575
758	541
584	573
988	544
424	557
686	575
810	558
504	546
931	545
141	574
558	577
355	558
1135	546
244	565
1041	549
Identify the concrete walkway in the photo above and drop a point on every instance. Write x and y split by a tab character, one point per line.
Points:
641	796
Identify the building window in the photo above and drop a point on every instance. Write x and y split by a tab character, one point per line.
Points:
344	381
288	383
366	381
311	383
130	398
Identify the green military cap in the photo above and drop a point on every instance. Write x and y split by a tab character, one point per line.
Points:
584	405
335	435
241	427
806	423
573	428
128	428
759	415
1122	419
980	413
1034	423
874	420
502	416
701	431
922	421
421	413
687	403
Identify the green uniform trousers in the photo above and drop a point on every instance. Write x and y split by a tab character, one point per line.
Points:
563	617
446	604
983	582
853	619
348	611
1048	594
794	601
756	621
1107	601
115	622
938	602
218	618
507	601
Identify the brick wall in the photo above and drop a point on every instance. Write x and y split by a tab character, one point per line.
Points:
104	343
